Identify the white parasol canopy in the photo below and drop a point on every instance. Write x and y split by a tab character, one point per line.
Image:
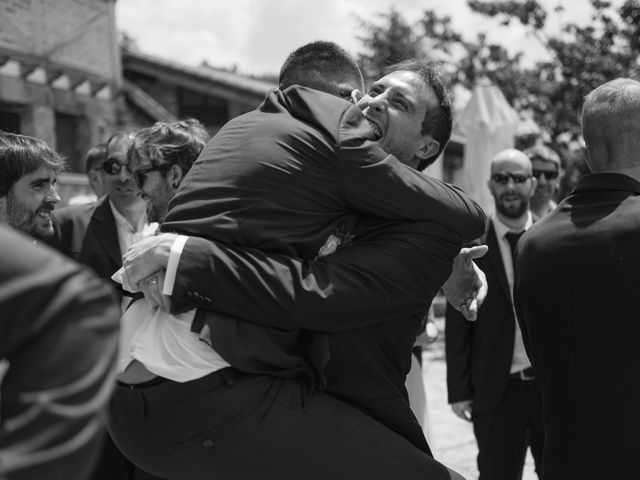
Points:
489	125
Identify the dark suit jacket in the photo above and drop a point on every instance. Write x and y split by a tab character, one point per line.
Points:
282	179
388	276
577	299
88	234
58	330
479	354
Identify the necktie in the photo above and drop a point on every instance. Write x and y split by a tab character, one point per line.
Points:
512	238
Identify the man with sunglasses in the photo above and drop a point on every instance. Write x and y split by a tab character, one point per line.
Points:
489	376
546	170
97	235
160	157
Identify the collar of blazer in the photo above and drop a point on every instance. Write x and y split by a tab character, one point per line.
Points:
103	225
608	181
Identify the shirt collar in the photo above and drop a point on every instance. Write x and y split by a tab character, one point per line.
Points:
608	181
124	224
501	228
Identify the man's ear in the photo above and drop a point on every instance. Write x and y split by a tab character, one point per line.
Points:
428	148
175	175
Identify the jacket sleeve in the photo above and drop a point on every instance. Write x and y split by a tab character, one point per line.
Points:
458	339
60	341
390	275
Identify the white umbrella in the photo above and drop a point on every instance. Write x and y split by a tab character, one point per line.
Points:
488	124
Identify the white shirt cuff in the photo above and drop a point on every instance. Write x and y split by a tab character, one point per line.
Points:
172	264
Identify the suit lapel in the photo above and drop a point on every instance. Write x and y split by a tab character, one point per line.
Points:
106	232
495	259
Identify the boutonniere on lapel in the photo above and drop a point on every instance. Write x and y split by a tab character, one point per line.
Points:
340	237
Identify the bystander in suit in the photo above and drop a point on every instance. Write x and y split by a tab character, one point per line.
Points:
98	234
576	298
353	355
546	168
489	377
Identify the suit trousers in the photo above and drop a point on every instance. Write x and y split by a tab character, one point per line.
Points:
257	427
504	432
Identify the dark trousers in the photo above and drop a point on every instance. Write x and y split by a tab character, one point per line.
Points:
113	465
504	433
257	427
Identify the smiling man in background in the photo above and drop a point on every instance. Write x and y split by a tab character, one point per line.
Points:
28	172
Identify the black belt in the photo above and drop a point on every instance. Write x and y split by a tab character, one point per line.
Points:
526	375
227	376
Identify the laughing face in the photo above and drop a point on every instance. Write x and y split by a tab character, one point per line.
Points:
121	187
511	183
395	107
30	202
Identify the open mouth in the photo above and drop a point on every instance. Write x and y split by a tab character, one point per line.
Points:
44	214
377	131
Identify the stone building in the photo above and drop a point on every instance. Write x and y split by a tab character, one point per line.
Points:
64	79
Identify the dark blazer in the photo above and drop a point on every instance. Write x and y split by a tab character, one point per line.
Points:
88	234
59	332
283	177
385	279
281	180
479	354
577	299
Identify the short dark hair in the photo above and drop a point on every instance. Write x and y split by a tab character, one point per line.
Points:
126	132
95	156
21	155
319	60
172	143
438	122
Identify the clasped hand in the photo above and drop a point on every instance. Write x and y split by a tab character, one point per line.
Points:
145	264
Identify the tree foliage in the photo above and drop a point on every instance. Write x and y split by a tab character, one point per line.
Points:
580	58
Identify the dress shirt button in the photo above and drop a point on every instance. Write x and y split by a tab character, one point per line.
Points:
207	443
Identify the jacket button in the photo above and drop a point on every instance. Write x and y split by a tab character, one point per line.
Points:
207	443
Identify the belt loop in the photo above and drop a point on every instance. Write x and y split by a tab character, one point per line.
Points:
145	407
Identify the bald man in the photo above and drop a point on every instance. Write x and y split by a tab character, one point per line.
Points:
582	333
489	376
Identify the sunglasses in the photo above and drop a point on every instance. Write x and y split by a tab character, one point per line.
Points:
549	175
503	178
140	176
113	167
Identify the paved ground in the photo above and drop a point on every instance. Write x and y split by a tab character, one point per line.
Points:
451	438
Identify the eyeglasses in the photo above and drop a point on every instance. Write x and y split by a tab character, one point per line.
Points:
113	166
140	176
548	174
503	178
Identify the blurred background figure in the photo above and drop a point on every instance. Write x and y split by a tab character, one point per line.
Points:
97	234
58	330
93	164
58	335
415	381
546	169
